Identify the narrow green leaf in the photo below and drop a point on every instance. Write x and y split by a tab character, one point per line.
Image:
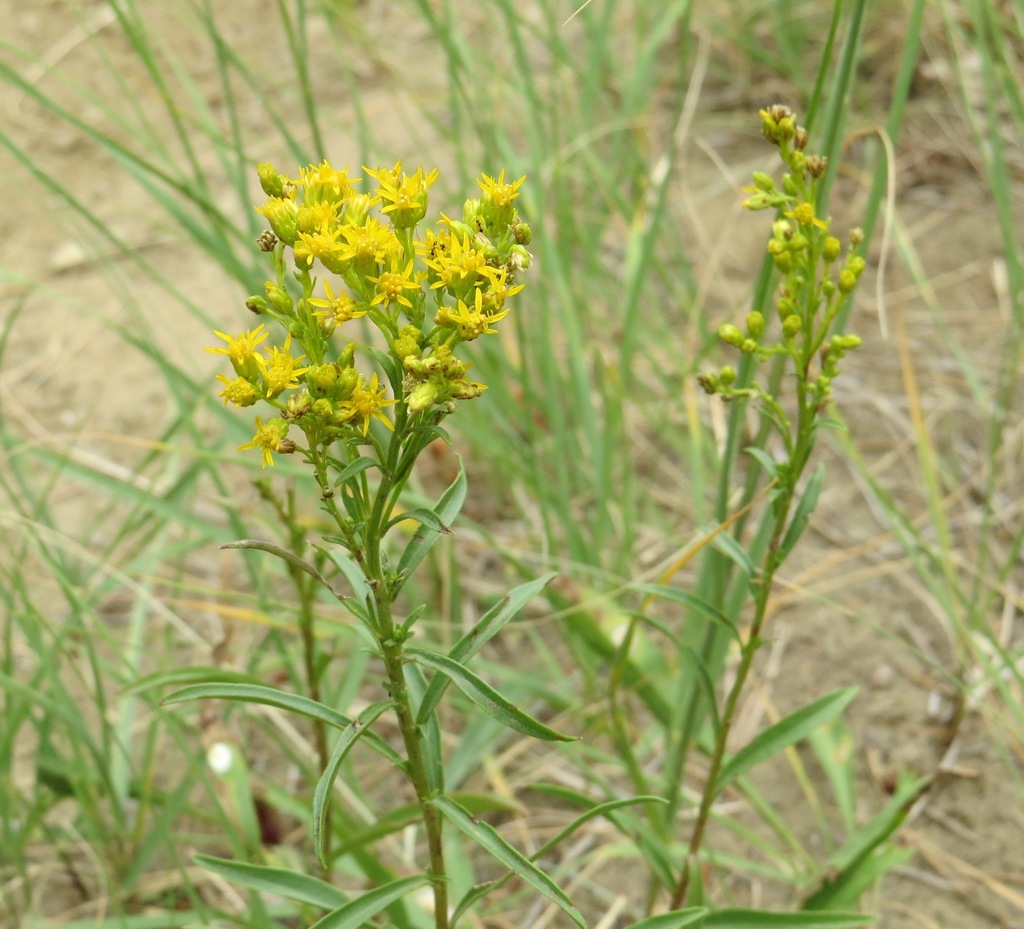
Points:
802	514
488	839
489	625
765	460
687	599
357	467
786	732
486	697
854	866
271	696
180	676
322	795
676	919
285	555
291	884
362	594
425	517
760	919
728	546
447	509
356	912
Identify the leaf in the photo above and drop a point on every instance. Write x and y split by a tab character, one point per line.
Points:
786	732
695	603
728	546
765	460
353	914
447	509
322	794
356	467
285	555
271	696
423	516
761	919
802	514
488	839
486	697
854	865
675	919
356	605
489	625
290	884
179	676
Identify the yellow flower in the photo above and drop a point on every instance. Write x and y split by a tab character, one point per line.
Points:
370	242
323	183
406	196
322	246
367	401
267	439
238	391
280	371
340	308
803	213
241	349
498	192
471	322
391	285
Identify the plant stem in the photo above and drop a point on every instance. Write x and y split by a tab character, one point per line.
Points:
417	773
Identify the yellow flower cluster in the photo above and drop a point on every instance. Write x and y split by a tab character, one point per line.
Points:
424	293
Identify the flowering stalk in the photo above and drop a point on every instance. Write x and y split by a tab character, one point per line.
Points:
815	282
351	411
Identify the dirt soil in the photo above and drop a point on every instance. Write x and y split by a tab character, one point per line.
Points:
851	610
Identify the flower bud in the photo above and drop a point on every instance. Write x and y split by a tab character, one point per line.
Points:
281	213
847	281
257	304
791	325
422	397
831	248
764	182
731	334
271	182
755	324
727	375
279	299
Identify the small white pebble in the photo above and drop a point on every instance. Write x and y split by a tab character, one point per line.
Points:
220	756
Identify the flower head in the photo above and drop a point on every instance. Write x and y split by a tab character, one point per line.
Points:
268	438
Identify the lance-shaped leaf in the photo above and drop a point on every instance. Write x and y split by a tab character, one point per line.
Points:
426	518
486	697
447	509
488	839
285	555
489	625
786	732
762	919
271	696
676	919
290	884
322	794
356	912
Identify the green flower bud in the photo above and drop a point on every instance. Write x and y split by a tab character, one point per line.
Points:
844	343
257	304
279	298
322	379
271	182
847	281
831	249
755	324
323	409
789	185
731	334
423	396
798	242
727	375
764	182
783	261
522	233
791	325
748	346
348	355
